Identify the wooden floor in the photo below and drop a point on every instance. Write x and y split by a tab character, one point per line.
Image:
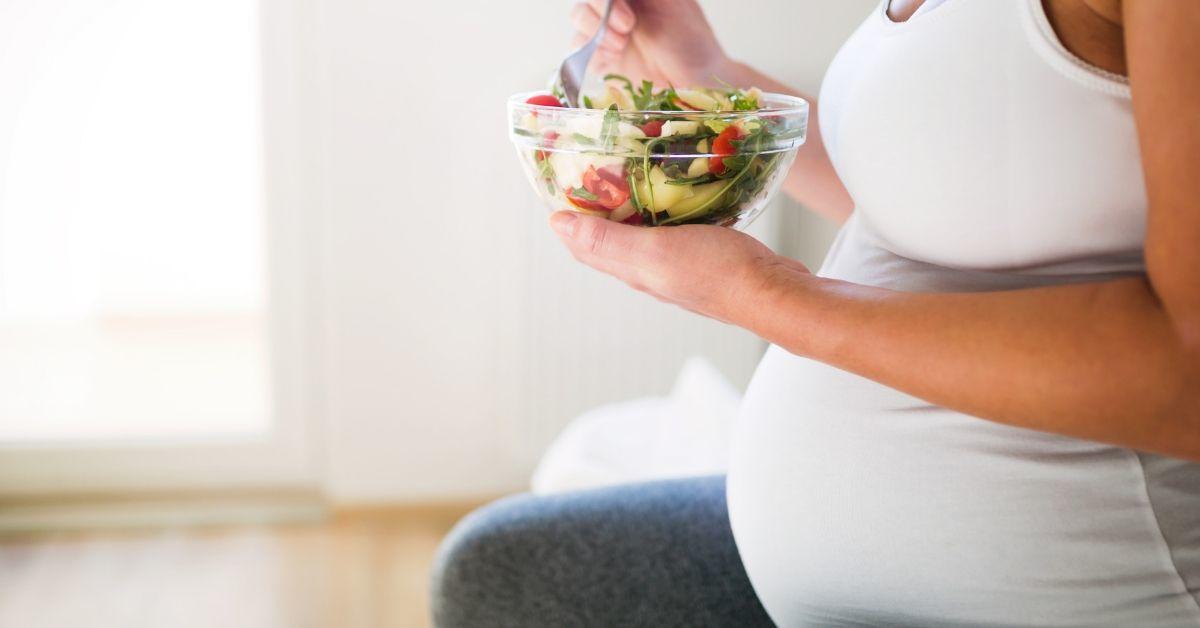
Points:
368	569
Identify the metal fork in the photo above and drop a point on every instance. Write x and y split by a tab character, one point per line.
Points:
574	67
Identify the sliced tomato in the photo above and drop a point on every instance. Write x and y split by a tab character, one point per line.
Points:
544	100
653	128
722	146
583	203
608	185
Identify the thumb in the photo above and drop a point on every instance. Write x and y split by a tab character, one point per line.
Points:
595	240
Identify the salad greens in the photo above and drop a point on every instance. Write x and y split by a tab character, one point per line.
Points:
660	156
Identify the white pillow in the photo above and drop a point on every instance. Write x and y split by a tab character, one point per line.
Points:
684	434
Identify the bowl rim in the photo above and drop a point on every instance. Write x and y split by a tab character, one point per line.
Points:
798	106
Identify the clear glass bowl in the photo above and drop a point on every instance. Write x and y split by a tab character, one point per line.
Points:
659	168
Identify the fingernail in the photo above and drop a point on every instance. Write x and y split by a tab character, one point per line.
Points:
565	224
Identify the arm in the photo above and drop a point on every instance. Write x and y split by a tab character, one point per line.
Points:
671	42
1100	361
812	180
1115	361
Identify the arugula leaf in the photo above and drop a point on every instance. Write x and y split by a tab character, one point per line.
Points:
742	102
609	127
646	97
583	194
736	162
665	100
587	102
716	125
707	177
633	191
646	173
674	170
583	139
545	170
752	141
622	78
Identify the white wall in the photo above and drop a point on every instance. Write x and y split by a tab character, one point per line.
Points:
455	336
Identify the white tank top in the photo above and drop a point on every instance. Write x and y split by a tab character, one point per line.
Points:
981	155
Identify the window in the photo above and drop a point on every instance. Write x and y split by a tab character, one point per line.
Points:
132	256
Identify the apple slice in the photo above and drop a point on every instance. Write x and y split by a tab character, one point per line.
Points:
703	195
620	97
679	127
664	195
696	100
622	213
723	102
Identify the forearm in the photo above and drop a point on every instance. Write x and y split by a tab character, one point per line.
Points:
1099	361
812	179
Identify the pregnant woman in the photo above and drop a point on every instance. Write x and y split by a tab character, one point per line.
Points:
983	410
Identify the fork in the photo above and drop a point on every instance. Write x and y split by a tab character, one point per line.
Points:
574	68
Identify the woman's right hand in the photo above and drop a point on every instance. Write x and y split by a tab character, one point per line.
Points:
666	41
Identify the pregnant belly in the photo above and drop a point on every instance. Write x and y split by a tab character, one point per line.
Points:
854	503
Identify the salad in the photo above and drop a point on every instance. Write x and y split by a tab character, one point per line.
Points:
651	156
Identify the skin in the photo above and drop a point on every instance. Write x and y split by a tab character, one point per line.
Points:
1115	361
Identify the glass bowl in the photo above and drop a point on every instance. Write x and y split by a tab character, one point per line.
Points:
659	168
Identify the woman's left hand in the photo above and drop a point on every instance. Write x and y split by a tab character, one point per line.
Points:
709	270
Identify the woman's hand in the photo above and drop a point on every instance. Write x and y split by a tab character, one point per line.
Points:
666	41
709	270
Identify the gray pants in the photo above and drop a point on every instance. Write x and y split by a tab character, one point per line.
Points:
657	554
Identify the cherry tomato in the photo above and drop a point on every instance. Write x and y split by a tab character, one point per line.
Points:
608	185
653	128
722	146
544	100
635	219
